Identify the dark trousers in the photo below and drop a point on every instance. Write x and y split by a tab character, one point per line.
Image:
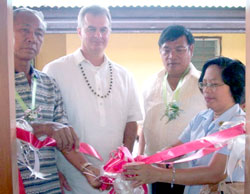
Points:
165	188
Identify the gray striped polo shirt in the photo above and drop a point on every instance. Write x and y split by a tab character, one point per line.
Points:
49	99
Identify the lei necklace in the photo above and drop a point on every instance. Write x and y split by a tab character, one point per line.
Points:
172	110
91	88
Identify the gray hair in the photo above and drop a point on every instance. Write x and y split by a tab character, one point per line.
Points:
38	14
95	10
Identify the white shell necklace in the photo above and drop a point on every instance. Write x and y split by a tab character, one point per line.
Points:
91	88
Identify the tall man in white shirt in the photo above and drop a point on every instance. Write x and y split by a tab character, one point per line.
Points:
176	87
99	95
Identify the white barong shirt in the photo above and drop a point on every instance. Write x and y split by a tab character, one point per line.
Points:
97	121
157	131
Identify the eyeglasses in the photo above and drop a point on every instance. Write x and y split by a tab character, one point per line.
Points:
178	50
209	85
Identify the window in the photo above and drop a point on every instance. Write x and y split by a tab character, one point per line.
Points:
205	48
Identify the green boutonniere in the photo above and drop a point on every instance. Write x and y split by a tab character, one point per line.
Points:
31	115
172	111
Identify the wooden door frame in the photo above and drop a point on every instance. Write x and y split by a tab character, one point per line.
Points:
247	162
8	167
8	163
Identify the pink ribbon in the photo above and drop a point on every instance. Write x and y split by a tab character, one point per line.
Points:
204	146
219	138
122	156
28	137
117	160
20	182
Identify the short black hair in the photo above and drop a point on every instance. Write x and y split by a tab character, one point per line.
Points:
233	74
173	32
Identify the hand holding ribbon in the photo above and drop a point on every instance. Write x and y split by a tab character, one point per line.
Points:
64	135
111	175
206	145
121	160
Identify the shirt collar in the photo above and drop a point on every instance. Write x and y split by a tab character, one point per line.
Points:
33	72
226	116
235	110
194	71
79	58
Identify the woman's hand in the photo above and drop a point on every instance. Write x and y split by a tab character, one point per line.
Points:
140	173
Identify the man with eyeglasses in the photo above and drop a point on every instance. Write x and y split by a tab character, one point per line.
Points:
100	96
171	98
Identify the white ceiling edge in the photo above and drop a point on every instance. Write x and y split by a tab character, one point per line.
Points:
127	3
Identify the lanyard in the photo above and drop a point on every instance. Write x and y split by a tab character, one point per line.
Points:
33	102
177	89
